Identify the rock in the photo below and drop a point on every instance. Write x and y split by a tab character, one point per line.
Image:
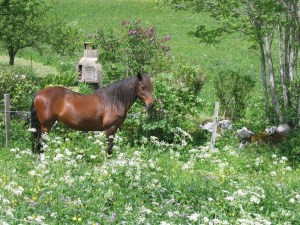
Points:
244	133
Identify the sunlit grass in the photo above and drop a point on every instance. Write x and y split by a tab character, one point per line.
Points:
38	68
92	14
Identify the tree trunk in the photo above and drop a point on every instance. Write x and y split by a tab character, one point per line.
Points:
282	68
287	45
264	80
258	28
292	57
274	97
12	53
299	111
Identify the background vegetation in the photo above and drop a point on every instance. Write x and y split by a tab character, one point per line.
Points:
162	170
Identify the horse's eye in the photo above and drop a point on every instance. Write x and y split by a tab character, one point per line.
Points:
143	87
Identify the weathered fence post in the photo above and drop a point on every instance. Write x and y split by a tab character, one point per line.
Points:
7	118
214	132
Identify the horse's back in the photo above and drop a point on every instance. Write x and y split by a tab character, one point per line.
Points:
49	95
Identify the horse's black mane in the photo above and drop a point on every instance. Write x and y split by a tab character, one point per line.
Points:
122	91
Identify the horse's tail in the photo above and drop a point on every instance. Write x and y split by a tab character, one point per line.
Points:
36	125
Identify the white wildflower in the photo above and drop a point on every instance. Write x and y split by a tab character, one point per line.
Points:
255	199
58	157
33	130
32	173
93	156
283	159
273	173
14	150
164	223
68	152
205	220
79	156
194	217
292	200
288	168
240	192
229	198
171	214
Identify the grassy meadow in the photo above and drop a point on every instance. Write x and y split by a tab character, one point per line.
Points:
150	181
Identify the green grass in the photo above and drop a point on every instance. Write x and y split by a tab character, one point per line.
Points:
92	14
38	68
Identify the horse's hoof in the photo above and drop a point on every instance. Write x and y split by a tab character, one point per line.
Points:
42	157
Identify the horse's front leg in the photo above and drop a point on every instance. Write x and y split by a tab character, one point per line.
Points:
110	144
110	135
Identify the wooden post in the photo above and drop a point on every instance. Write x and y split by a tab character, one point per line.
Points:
7	117
214	132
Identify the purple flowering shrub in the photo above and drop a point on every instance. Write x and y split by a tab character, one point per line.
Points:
138	48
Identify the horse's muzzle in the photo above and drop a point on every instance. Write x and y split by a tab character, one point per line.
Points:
149	106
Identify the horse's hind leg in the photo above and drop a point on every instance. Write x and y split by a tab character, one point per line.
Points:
45	129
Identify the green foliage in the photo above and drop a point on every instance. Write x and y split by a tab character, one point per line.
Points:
21	84
233	89
291	147
65	79
30	23
137	49
83	88
192	76
292	113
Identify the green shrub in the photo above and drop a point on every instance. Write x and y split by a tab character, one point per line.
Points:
291	147
191	76
21	84
233	89
64	79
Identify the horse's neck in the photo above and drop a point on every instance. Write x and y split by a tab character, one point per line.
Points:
125	100
120	98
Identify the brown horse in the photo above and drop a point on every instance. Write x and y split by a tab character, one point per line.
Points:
104	110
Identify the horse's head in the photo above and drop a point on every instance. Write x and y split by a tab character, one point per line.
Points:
144	90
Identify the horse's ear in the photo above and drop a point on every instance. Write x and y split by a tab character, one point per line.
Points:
139	76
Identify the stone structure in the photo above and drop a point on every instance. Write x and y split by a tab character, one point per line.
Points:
89	69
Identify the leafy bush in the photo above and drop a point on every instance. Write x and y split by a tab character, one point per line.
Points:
233	89
65	79
137	49
191	75
291	113
21	84
291	147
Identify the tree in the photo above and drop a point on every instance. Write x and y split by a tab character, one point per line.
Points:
28	23
263	23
